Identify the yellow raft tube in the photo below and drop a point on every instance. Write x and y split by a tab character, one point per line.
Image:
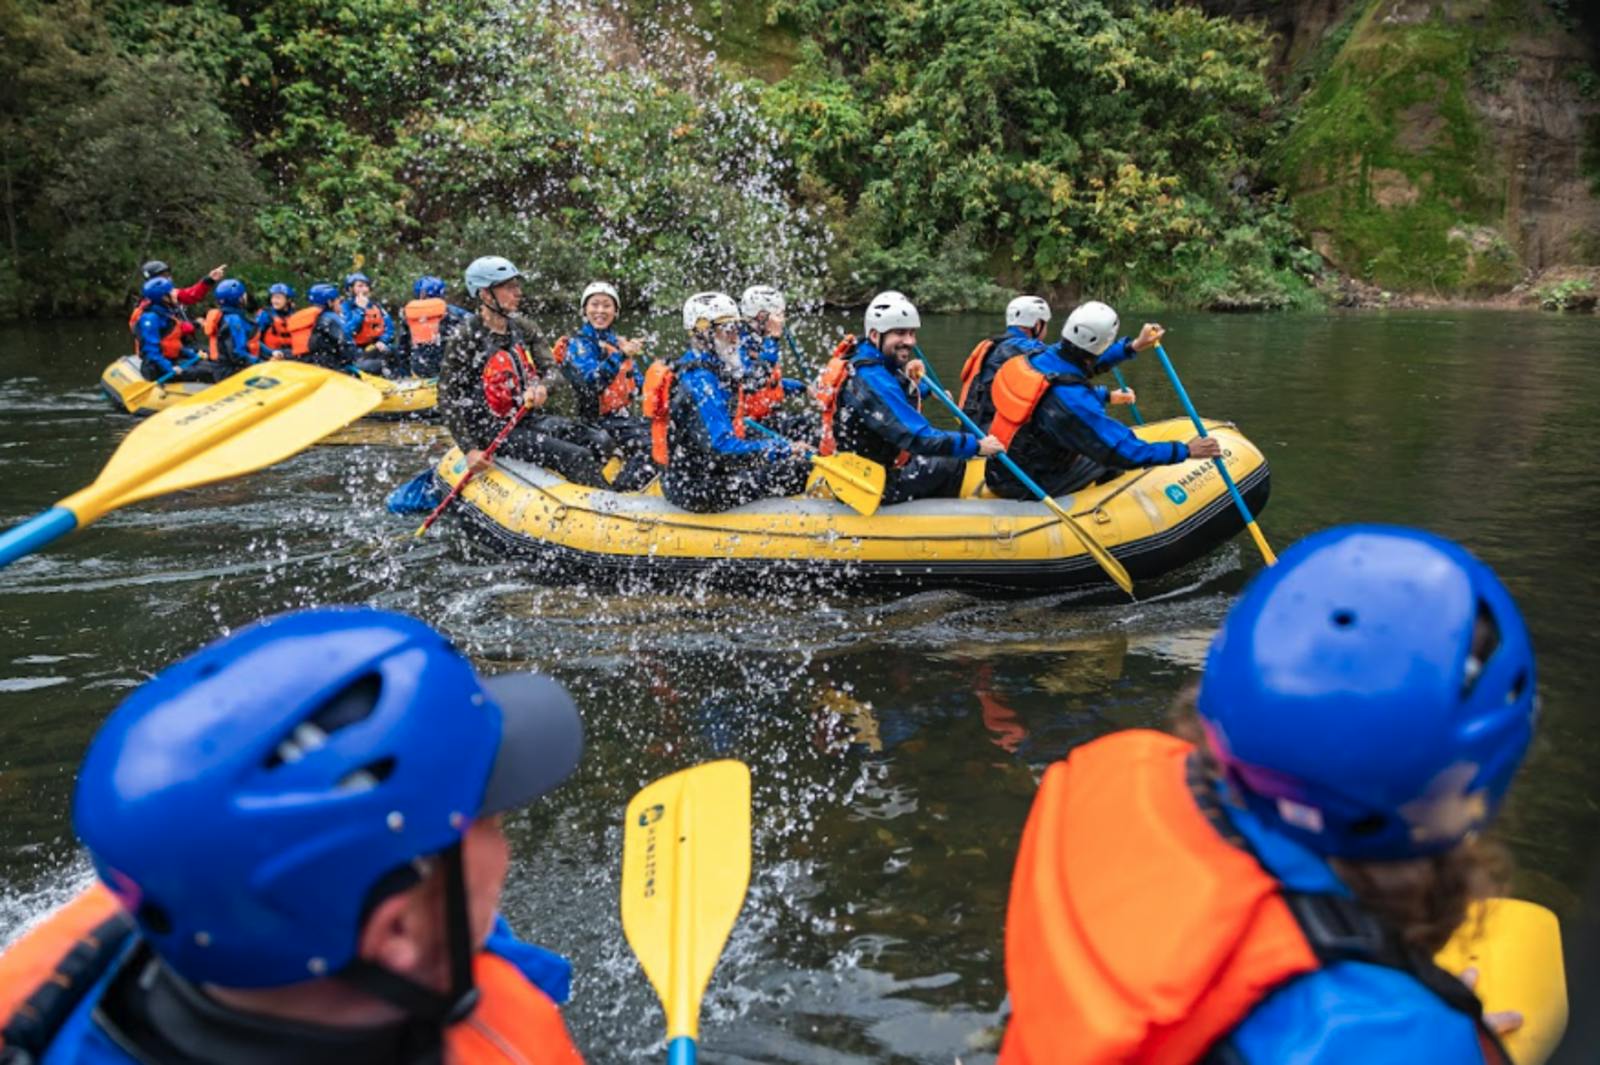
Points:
122	383
1153	520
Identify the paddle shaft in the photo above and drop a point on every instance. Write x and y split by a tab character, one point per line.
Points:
805	363
1238	499
1108	562
138	393
1116	371
488	453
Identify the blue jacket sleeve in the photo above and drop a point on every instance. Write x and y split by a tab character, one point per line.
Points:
709	404
793	386
1354	1012
1121	351
595	367
544	969
903	425
352	318
263	320
239	333
150	331
1075	419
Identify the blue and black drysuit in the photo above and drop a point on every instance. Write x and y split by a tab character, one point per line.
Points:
1071	441
709	466
1013	342
594	359
331	345
234	333
879	417
157	321
762	356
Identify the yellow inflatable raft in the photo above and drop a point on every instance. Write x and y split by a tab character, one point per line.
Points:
407	397
1153	520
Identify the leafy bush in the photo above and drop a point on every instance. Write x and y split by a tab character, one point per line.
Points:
1573	294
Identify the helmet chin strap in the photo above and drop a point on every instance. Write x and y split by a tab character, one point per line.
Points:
418	1000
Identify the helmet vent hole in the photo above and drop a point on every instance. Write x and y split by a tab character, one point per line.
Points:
1485	641
1343	619
1371	825
354	703
154	917
368	776
1518	686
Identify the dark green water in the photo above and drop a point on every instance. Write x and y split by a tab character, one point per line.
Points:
884	835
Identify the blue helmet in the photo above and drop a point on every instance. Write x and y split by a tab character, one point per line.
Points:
244	802
427	286
157	289
322	294
280	289
350	279
230	292
1372	694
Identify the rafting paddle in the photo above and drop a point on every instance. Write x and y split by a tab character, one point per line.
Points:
1097	551
856	481
259	416
466	478
1515	946
1200	427
685	868
1138	419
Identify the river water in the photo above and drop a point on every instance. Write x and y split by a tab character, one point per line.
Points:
895	741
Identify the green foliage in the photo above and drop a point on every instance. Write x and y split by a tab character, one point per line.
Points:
1573	294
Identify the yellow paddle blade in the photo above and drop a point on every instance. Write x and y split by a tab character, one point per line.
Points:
1516	948
685	867
259	416
1114	569
856	482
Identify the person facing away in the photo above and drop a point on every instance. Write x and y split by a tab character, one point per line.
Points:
1053	421
231	336
272	324
369	325
699	432
1272	884
183	297
490	376
426	323
1027	318
317	333
163	355
297	841
871	396
762	323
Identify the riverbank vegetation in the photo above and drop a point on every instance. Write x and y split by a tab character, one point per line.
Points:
957	149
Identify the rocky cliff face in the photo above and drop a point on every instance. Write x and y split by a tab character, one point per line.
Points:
1440	146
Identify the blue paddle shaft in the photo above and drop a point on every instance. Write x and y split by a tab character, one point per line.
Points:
1200	427
763	430
34	533
681	1051
1138	419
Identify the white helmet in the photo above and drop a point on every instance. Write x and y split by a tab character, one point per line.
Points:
758	298
489	271
599	288
706	309
890	310
1027	311
1092	327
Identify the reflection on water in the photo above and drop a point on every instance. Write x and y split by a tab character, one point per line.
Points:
895	740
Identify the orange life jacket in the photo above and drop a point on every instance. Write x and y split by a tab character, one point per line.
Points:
371	328
422	318
212	324
656	404
514	1023
619	393
766	399
1016	392
829	385
1105	960
973	365
276	334
300	326
133	323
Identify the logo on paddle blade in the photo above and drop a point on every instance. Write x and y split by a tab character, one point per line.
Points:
1177	495
261	382
652	815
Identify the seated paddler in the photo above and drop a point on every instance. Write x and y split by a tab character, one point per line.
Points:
297	843
317	331
1052	418
871	396
762	326
272	324
1027	319
426	322
1272	884
231	337
698	434
492	379
159	335
370	327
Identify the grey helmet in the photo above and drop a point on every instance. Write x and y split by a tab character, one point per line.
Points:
154	268
488	271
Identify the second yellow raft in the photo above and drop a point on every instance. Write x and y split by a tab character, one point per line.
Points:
122	383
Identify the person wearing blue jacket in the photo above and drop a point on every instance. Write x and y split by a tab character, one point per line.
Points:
712	463
1065	440
871	405
1272	883
297	837
761	328
272	324
370	327
1027	318
230	331
162	354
